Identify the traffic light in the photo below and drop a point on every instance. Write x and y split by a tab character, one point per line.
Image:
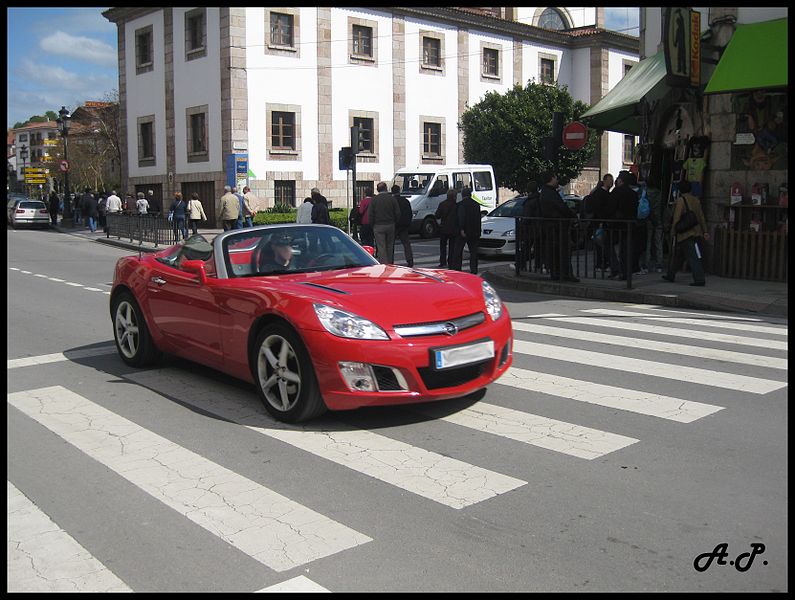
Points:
346	158
557	129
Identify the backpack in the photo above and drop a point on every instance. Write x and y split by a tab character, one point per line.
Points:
355	217
643	206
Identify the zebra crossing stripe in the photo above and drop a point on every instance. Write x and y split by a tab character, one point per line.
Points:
267	526
559	436
674	332
686	312
44	359
743	383
439	478
296	584
680	349
42	557
636	401
768	329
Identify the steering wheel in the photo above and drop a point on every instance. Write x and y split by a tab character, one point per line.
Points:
321	259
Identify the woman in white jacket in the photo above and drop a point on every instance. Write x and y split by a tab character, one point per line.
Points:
195	212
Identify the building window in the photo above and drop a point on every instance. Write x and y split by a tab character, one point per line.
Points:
23	137
284	192
365	125
431	52
144	51
362	41
197	133
195	33
547	70
491	62
432	139
283	130
281	29
552	19
146	141
629	148
628	66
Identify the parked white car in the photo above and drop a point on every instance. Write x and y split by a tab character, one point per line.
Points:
497	229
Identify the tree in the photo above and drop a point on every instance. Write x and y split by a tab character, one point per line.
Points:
507	132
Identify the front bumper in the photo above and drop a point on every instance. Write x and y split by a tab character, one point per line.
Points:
497	246
412	358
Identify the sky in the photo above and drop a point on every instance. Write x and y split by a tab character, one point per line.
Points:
67	56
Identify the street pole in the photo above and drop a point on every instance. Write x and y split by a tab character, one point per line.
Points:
63	126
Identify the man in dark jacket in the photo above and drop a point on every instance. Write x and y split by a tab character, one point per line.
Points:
55	203
90	209
383	214
447	213
626	203
468	232
402	229
556	229
319	208
601	206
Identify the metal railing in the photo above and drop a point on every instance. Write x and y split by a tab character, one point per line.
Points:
586	248
156	229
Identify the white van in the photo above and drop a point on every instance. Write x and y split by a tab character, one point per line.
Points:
426	186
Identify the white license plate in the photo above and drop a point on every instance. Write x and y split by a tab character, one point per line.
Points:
463	355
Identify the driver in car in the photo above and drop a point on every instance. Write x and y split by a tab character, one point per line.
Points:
281	257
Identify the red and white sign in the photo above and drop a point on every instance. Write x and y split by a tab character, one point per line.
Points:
575	135
64	165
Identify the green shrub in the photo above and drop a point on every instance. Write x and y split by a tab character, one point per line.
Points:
337	216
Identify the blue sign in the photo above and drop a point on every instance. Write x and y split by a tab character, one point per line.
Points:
236	169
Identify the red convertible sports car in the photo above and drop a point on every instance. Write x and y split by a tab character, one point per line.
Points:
312	319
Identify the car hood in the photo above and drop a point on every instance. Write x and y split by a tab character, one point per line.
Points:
498	225
391	295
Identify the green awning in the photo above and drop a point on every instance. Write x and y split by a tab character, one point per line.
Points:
755	58
619	110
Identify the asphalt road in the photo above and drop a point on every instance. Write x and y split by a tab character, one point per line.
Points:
619	449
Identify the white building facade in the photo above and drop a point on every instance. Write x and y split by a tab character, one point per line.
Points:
267	96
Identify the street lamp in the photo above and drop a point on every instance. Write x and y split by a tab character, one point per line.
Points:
63	126
23	154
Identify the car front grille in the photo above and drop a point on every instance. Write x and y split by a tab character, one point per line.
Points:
448	327
434	379
490	243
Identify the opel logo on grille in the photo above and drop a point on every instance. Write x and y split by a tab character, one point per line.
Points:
450	328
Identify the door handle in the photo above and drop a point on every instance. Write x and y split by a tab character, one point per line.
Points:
158	280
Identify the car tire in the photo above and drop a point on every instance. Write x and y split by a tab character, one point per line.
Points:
285	379
429	228
133	341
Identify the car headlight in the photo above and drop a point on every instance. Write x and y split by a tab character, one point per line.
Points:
508	233
347	325
492	300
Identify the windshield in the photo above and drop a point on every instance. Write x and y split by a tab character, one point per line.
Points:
511	208
412	183
278	250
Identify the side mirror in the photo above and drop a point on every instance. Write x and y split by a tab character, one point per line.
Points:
197	267
370	250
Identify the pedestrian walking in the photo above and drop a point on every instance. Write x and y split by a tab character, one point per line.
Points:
403	224
556	225
687	231
178	214
250	206
468	215
241	208
89	209
77	208
319	208
102	210
229	209
155	207
129	204
195	212
383	215
626	203
365	229
598	206
142	204
447	214
55	202
303	215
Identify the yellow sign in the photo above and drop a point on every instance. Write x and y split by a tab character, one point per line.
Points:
35	180
51	142
695	48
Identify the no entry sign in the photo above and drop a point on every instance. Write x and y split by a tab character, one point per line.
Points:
575	134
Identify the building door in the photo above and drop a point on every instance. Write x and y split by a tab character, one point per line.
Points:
207	196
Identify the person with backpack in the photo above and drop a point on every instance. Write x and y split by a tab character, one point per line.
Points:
688	229
402	227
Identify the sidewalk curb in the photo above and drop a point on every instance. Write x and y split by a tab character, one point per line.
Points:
695	300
